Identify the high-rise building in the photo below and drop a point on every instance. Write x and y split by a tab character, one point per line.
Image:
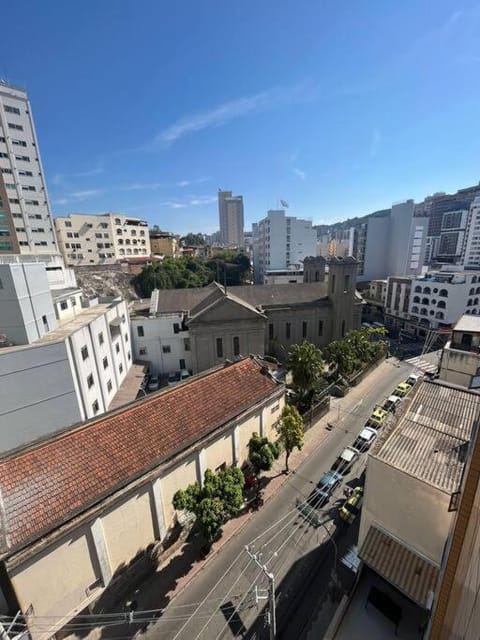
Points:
26	224
280	241
230	211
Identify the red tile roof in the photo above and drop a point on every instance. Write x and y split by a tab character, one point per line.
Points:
47	484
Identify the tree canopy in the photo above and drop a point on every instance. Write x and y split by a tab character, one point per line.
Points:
186	272
192	240
220	499
359	347
306	364
262	453
290	430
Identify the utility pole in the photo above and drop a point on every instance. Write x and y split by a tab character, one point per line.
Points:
271	616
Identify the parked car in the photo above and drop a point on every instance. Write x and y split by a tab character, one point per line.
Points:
352	505
326	486
365	438
402	389
378	418
391	403
413	378
184	374
172	378
153	383
346	460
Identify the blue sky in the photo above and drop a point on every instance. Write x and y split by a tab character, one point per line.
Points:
148	107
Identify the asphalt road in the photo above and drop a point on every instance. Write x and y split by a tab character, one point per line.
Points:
290	546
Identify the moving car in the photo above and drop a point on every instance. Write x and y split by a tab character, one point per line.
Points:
326	486
352	505
378	418
365	439
346	460
153	383
391	403
402	389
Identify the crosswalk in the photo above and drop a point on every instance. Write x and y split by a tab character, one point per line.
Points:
424	365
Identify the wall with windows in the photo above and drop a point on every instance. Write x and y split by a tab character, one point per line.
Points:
163	341
22	173
86	239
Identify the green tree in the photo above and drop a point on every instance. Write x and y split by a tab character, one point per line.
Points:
262	453
290	431
220	499
359	347
192	240
306	364
232	266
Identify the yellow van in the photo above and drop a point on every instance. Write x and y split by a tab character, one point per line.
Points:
378	417
402	389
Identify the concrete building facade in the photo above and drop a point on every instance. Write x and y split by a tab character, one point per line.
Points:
101	499
87	239
163	244
267	319
26	224
280	241
231	219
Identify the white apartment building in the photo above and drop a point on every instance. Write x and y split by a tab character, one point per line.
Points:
280	241
231	219
471	256
160	339
86	239
26	224
442	297
66	357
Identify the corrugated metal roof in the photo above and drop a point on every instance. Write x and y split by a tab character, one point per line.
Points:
431	439
412	574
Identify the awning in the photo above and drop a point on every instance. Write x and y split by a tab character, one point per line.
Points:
410	573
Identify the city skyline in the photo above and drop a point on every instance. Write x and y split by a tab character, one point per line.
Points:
336	130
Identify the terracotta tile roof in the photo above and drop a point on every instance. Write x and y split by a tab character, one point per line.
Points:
46	485
409	572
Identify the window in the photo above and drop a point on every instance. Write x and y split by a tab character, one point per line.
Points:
16	127
3	155
320	327
1	287
126	337
186	344
19	143
182	363
166	348
142	351
105	362
64	305
120	368
117	348
176	327
84	352
343	328
23	172
22	158
333	282
44	319
7	170
275	408
140	332
304	329
270	331
101	339
236	345
346	287
95	407
14	200
219	343
129	357
9	109
109	385
288	327
90	382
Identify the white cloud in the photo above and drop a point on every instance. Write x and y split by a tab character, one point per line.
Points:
300	174
86	193
61	201
61	178
189	201
232	110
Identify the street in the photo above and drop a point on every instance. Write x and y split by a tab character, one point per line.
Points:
229	594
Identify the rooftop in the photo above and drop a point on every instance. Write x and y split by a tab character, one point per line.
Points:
468	323
410	573
63	293
47	484
431	438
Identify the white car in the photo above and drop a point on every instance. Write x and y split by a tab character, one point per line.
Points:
346	460
412	379
365	438
153	383
391	403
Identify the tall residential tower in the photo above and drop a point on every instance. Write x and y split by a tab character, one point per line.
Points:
230	212
26	225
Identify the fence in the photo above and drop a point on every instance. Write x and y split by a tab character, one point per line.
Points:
316	412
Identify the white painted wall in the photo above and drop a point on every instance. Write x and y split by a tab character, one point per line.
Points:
159	336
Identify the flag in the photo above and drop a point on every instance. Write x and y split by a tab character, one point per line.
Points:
284	203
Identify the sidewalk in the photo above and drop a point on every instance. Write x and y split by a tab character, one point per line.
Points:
179	567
